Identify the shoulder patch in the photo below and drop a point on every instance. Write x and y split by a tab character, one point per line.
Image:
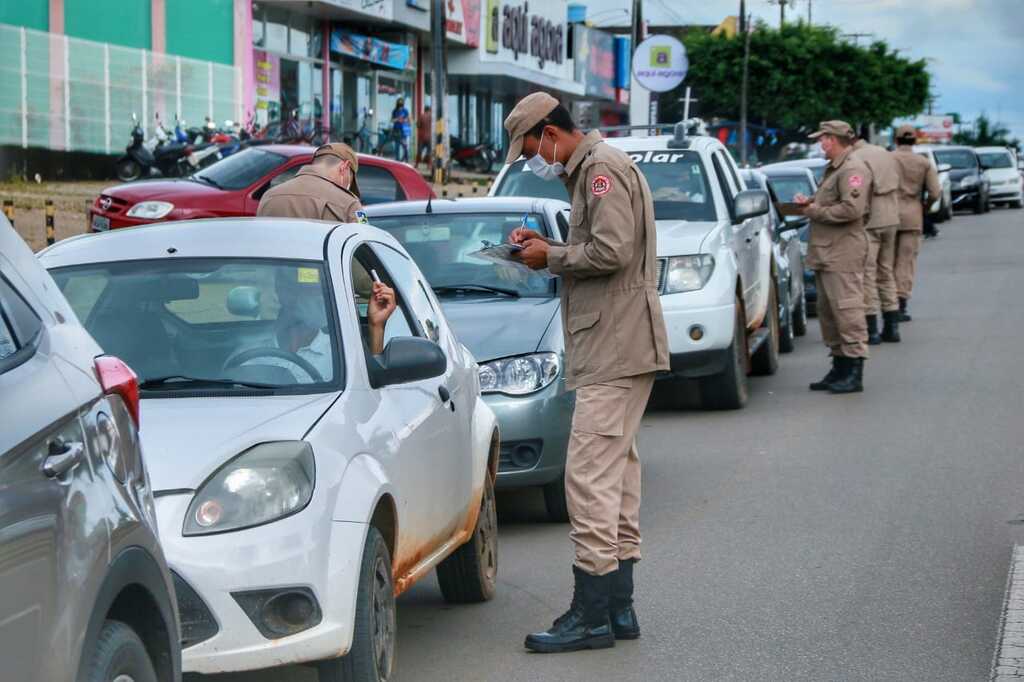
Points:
856	181
600	185
361	217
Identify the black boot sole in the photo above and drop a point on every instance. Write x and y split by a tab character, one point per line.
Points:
891	339
627	635
859	389
600	642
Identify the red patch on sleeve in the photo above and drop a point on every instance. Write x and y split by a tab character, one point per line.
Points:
600	186
856	181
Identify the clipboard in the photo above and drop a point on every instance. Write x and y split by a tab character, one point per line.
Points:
791	209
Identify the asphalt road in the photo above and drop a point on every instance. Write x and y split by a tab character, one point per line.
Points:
808	536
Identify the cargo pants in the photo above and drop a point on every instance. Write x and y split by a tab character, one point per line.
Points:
879	276
841	312
908	244
602	472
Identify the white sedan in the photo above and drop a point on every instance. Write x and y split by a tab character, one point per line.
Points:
301	481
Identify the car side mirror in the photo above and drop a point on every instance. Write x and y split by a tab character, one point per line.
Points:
791	223
751	203
406	359
944	168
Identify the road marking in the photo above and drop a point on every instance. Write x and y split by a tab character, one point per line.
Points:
1008	660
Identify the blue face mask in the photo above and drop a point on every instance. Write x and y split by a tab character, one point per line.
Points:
541	168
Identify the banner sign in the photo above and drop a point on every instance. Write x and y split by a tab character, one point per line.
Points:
267	74
395	55
462	21
660	63
595	61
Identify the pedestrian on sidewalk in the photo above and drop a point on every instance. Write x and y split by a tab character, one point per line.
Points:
919	187
615	342
883	223
837	251
423	136
400	130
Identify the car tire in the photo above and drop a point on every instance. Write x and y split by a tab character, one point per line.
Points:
979	205
119	654
372	656
727	390
1018	203
787	337
765	360
470	574
128	170
555	500
800	316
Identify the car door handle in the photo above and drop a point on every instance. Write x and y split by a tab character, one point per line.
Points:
63	456
443	392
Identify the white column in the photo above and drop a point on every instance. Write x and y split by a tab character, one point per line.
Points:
145	93
639	106
106	95
67	97
209	89
177	85
24	92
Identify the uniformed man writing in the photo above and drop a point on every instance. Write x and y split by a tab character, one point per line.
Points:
837	251
917	177
883	223
615	342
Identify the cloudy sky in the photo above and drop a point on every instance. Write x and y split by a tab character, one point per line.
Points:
975	48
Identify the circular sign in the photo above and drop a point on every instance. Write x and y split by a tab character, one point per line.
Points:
659	63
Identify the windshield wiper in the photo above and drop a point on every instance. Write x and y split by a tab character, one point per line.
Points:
456	288
211	181
180	379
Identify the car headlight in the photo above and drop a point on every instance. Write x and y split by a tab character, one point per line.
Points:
265	483
519	375
687	273
150	210
969	181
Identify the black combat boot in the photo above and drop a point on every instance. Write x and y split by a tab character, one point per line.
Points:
852	380
873	338
832	375
620	610
585	625
890	326
904	315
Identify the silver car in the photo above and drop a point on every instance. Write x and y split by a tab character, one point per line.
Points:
85	593
512	326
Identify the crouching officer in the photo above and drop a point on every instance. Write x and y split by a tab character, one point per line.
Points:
326	189
615	342
883	223
837	252
917	176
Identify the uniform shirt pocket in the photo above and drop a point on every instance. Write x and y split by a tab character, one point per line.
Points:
851	302
601	408
578	323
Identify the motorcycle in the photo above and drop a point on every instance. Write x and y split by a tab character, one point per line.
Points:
478	158
148	157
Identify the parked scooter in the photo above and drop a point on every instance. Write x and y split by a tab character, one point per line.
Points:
478	158
158	155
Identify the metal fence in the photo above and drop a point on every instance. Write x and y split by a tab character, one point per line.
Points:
78	95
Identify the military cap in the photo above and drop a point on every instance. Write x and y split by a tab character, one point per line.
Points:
906	130
530	111
345	153
840	129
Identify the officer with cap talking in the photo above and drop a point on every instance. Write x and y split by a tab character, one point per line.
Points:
615	342
326	189
837	252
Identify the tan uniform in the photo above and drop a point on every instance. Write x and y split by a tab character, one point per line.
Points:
837	251
917	175
883	222
311	194
615	341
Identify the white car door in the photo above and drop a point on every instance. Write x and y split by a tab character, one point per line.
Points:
743	240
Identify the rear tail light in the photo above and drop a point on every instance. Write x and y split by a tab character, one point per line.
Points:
118	378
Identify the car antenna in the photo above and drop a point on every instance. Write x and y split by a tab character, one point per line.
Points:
429	199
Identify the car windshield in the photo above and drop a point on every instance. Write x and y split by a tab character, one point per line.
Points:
677	180
211	323
788	186
240	170
442	245
996	160
957	158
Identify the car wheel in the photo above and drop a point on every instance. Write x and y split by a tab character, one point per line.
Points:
372	656
766	359
800	316
988	204
787	337
1019	203
728	389
470	574
979	205
119	655
555	500
128	170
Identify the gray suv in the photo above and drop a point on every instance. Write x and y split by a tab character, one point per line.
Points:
85	593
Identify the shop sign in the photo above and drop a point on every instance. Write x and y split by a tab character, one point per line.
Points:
267	74
595	61
533	34
382	9
395	55
934	128
462	21
660	63
530	35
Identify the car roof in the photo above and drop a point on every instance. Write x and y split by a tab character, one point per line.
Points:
641	144
293	150
951	147
779	170
473	205
217	237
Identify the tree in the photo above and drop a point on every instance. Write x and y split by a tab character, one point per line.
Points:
800	75
985	133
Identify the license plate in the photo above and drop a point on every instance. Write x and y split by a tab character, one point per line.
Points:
100	223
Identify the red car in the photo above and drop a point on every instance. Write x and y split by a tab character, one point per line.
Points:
233	187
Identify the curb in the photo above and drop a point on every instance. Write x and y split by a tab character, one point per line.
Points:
1008	659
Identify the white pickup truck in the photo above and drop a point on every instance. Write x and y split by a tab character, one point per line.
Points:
716	275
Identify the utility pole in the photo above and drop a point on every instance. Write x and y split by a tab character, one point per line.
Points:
638	24
809	3
744	89
438	117
782	9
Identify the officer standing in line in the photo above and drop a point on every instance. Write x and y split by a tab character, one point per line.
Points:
326	189
883	222
615	342
837	251
917	176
